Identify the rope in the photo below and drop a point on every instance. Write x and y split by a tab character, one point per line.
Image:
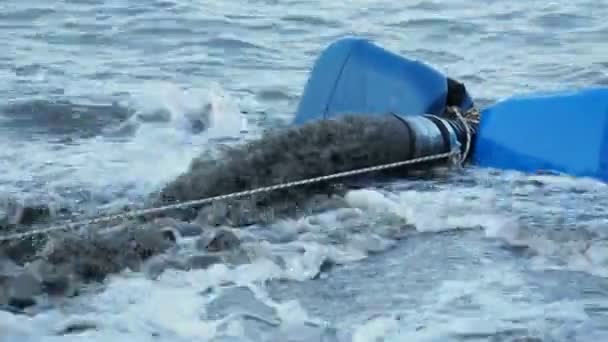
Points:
470	116
141	212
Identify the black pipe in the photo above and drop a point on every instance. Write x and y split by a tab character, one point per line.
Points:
430	135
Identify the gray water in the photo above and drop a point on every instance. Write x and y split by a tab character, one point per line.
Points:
98	107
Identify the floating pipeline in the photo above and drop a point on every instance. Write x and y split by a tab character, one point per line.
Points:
559	131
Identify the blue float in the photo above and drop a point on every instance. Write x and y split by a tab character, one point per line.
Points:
561	131
355	76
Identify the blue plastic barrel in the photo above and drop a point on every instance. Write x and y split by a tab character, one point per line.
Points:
355	76
566	132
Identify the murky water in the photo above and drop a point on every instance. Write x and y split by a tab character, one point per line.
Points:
101	107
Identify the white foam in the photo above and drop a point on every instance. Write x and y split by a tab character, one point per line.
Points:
495	300
590	257
461	208
452	208
376	329
166	102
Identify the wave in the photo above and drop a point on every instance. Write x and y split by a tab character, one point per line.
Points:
157	103
62	117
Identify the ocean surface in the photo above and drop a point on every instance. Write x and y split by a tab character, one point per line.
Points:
96	111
